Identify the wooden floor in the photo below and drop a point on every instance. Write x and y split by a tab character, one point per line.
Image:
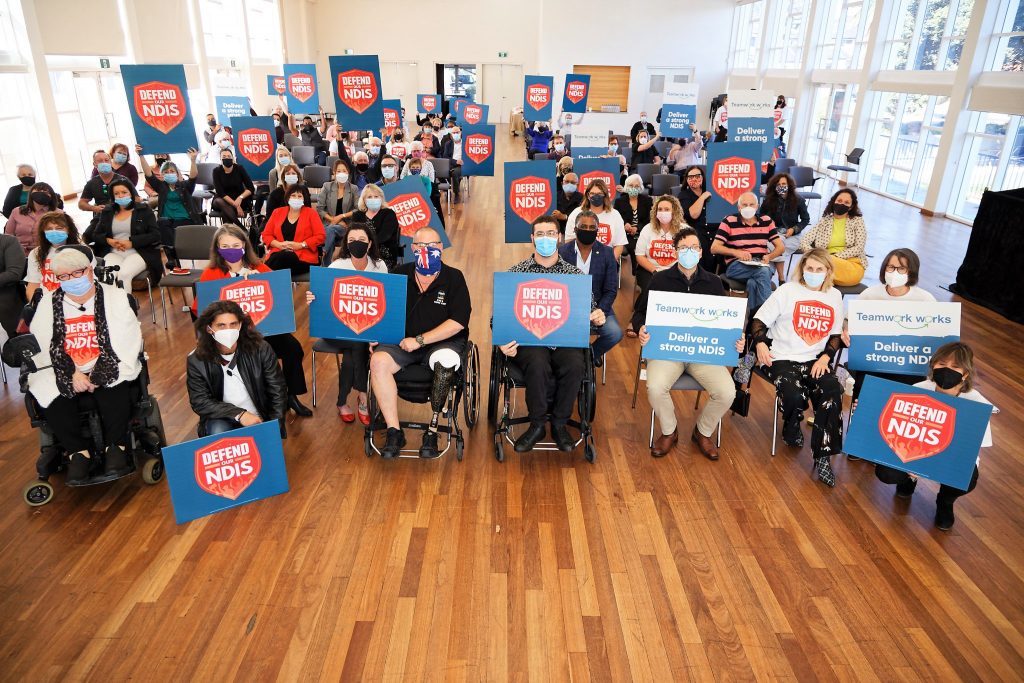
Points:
541	568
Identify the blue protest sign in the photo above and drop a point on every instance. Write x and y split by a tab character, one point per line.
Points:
357	92
409	200
694	328
537	97
357	305
574	97
158	101
231	108
591	169
678	109
473	114
255	143
301	89
478	146
266	297
225	471
429	103
529	193
392	116
899	337
752	120
535	309
276	85
918	431
733	168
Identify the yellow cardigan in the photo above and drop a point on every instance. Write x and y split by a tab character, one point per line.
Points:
820	235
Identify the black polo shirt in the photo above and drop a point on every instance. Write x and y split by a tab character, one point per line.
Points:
673	280
447	298
97	191
566	203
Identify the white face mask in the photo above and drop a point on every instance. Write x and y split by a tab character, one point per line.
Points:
896	279
748	212
341	177
664	217
226	337
291	178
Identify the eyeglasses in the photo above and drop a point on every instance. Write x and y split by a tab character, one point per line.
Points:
424	245
896	269
64	277
683	250
694	175
546	233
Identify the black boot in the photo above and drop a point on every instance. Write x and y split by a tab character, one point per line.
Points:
944	517
296	405
428	449
78	468
116	460
562	438
529	438
394	443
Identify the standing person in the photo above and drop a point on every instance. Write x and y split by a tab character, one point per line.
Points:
567	121
24	220
720	124
336	204
120	164
643	125
12	292
788	211
293	234
372	208
569	198
694	197
644	151
127	235
55	229
611	230
634	205
176	205
95	196
842	232
744	239
452	149
798	356
781	120
232	188
212	128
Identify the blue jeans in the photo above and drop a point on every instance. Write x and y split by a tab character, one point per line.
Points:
333	233
608	335
218	426
758	279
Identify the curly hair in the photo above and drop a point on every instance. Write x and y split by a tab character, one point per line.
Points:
678	221
249	337
854	206
772	201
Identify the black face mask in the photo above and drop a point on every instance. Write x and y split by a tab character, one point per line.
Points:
362	167
28	180
586	237
947	378
40	198
358	249
840	209
228	163
211	124
597	200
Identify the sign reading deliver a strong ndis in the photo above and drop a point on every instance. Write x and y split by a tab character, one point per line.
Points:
534	309
225	471
357	305
255	142
266	297
357	92
694	328
158	101
478	149
529	193
899	337
733	168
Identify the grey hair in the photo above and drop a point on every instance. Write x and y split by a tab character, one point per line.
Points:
68	260
585	213
636	177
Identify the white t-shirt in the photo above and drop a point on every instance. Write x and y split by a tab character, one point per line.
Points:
235	392
44	276
610	230
656	244
722	117
371	265
80	333
801	320
972	395
879	293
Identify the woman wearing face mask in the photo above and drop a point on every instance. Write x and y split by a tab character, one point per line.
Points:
615	152
55	229
284	158
290	176
610	228
644	151
796	333
562	168
23	222
127	235
418	166
431	141
93	340
654	250
842	232
398	145
176	206
17	195
788	210
634	206
950	372
120	164
358	252
232	188
233	377
694	197
293	234
232	255
373	209
336	204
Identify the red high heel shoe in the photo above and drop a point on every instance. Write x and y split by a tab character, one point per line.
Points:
346	418
364	415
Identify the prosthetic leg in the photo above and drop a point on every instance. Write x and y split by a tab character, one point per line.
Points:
439	392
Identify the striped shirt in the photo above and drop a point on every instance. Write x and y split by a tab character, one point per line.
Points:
735	234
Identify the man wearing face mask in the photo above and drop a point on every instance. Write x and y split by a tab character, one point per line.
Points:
643	125
95	196
365	173
437	312
686	277
569	198
452	149
550	372
388	170
558	148
311	137
567	121
212	128
744	239
233	377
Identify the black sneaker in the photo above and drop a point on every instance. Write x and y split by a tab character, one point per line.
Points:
529	438
428	449
78	468
560	435
116	461
905	489
944	517
394	443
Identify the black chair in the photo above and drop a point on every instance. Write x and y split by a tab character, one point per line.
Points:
663	147
303	155
852	164
804	176
784	164
443	178
316	177
291	140
646	172
191	243
662	183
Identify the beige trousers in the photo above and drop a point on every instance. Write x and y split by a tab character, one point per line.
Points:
717	383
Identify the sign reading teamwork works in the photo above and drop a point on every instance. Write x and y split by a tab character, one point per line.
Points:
899	337
266	297
694	328
231	108
537	97
158	100
276	85
752	119
428	103
357	93
301	90
225	471
574	97
542	310
679	109
478	143
392	116
473	114
409	200
733	168
589	170
529	193
589	142
255	142
357	306
918	431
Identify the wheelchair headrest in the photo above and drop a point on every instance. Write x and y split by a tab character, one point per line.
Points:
17	348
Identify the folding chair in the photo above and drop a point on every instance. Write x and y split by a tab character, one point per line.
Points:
191	243
684	383
646	172
443	177
852	164
303	155
662	183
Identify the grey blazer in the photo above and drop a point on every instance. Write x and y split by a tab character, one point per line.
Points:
326	203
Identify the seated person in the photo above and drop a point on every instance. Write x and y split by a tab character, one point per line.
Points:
799	360
372	208
365	172
232	188
558	148
388	170
293	234
842	232
335	205
437	311
18	194
233	379
540	139
120	164
12	291
95	196
175	206
744	239
598	261
127	235
569	197
693	197
311	137
451	149
615	153
549	373
25	218
55	229
90	340
610	231
289	176
788	211
686	277
634	205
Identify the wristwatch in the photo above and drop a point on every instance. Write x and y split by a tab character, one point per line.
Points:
419	340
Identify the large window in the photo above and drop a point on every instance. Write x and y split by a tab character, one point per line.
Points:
1008	38
903	138
831	119
264	31
928	34
844	33
993	159
748	27
785	43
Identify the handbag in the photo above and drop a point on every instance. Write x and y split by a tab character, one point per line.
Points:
741	404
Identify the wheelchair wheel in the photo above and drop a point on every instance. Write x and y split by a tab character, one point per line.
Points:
587	402
152	470
471	396
494	390
589	452
499	447
368	444
38	492
460	444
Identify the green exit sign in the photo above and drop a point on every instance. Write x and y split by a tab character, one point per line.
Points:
503	54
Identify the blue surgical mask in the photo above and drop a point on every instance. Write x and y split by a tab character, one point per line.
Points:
123	201
814	280
373	203
104	167
613	147
546	246
688	259
56	237
295	202
120	158
387	171
170	178
77	286
569	187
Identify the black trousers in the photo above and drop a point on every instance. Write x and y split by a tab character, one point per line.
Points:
228	210
289	350
795	386
553	378
355	364
113	405
12	303
287	260
947	494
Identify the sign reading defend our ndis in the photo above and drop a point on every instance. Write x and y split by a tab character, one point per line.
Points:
694	328
266	297
529	193
535	309
158	101
356	305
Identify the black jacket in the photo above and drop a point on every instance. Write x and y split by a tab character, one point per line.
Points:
261	376
644	204
145	237
673	280
184	188
13	199
448	149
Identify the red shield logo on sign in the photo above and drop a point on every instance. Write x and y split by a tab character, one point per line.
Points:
916	426
80	339
358	302
812	321
254	297
161	105
256	145
778	116
662	252
357	89
399	151
530	197
390	121
301	86
280	84
227	467
732	177
725	115
542	306
412	211
473	113
538	95
604	233
591	176
575	91
429	102
479	147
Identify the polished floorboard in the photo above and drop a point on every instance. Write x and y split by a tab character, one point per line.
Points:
543	568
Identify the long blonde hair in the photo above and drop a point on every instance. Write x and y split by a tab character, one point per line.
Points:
677	214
